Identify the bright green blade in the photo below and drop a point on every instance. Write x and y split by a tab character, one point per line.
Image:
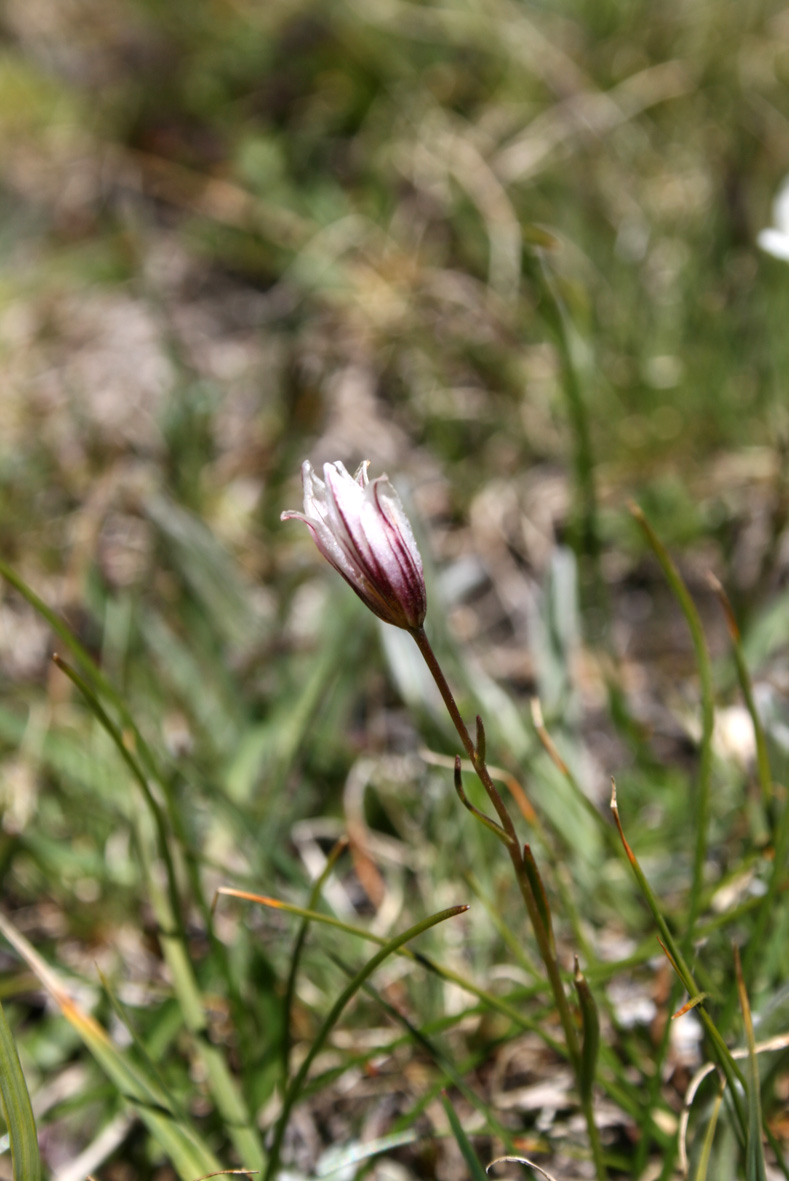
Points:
17	1110
475	1169
186	1152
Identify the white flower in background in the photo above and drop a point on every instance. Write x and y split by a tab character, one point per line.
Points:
775	240
360	528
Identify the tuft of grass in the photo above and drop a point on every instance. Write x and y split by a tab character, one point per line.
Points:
507	253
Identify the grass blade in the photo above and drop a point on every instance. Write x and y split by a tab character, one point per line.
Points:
475	1169
167	908
709	1137
185	1150
295	1088
755	1168
746	688
590	1024
677	960
450	1073
704	665
17	1111
295	959
487	998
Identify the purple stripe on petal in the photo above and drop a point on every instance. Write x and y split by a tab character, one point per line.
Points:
361	529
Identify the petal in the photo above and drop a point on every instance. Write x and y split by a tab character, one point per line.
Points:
781	208
392	508
775	242
404	549
314	492
345	504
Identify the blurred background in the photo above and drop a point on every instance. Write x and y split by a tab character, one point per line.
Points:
504	250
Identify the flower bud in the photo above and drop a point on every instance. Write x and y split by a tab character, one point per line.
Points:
360	527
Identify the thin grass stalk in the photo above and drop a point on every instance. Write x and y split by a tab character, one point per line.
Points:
653	1086
17	1109
567	900
295	959
609	836
103	688
223	1087
182	1143
620	1094
504	932
526	884
755	1168
297	1083
90	670
766	904
445	1064
125	1019
428	1096
476	1171
763	768
489	999
169	918
677	960
562	886
154	808
550	748
709	1138
704	665
583	459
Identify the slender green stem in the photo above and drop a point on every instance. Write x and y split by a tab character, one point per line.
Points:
138	775
765	907
755	1168
290	988
680	966
488	999
583	459
168	910
102	688
540	924
746	686
688	607
297	1083
479	766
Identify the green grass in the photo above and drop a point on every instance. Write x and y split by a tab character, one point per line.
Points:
507	252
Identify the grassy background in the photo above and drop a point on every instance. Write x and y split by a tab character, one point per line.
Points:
506	252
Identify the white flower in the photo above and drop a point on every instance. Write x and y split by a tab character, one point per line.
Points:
775	240
360	528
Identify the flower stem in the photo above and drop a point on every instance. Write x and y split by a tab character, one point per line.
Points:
539	916
478	764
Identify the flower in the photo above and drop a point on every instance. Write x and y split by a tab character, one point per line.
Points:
775	240
360	527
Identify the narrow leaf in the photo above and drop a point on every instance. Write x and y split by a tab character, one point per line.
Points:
709	1137
464	1144
540	896
590	1023
16	1109
181	1143
672	950
755	1168
294	1090
704	665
